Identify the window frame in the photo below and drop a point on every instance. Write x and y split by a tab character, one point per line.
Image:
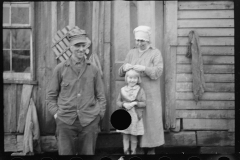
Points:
16	76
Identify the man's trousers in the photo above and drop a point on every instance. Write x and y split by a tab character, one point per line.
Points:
75	139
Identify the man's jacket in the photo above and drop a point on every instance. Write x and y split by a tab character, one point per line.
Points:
71	94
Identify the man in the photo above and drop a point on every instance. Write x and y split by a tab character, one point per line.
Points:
75	96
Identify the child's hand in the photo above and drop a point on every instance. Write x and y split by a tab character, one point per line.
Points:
128	106
134	103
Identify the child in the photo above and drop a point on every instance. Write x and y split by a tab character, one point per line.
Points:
132	98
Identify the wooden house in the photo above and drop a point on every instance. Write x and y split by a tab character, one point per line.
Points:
28	30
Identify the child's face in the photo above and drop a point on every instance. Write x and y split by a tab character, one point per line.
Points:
132	80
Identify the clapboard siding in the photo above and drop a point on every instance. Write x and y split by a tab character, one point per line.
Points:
208	32
209	87
206	14
214	23
209	50
205	114
207	59
209	41
206	96
211	5
208	78
204	105
186	68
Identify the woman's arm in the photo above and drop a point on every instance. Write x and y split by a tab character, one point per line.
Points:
121	71
156	71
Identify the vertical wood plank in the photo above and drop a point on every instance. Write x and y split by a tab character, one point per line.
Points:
170	66
107	63
72	13
26	95
146	16
133	21
121	31
95	27
54	28
101	33
6	112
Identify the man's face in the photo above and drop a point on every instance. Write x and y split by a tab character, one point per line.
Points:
79	50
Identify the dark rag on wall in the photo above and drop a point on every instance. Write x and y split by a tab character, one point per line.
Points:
194	52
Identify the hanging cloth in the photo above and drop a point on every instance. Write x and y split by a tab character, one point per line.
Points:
195	54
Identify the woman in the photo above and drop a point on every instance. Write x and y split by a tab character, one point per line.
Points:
148	61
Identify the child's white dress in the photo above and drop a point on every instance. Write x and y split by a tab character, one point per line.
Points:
129	94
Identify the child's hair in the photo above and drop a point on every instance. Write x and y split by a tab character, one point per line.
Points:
133	73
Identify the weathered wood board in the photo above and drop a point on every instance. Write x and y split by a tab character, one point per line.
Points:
215	138
207	77
180	139
208	114
206	96
209	124
181	59
209	41
209	87
209	50
207	32
206	14
207	5
186	68
211	23
208	105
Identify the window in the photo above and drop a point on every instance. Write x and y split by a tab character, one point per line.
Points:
17	41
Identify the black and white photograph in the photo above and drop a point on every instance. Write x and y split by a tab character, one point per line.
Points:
119	79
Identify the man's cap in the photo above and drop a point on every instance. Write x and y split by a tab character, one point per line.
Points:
77	35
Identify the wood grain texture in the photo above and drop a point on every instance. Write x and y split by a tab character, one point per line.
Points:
206	96
208	32
209	124
170	33
215	23
180	139
207	69
209	41
208	78
209	87
208	105
205	114
206	14
182	59
26	95
206	5
215	138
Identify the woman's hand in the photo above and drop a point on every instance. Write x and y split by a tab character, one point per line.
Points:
128	106
139	68
127	66
55	116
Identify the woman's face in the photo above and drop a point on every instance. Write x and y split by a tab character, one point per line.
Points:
132	80
141	44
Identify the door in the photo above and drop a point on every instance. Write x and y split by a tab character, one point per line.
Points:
127	15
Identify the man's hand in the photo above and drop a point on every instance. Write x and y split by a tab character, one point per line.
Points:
127	66
55	116
139	68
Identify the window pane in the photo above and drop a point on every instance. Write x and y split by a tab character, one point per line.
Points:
6	11
21	61
6	39
6	60
21	39
20	14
